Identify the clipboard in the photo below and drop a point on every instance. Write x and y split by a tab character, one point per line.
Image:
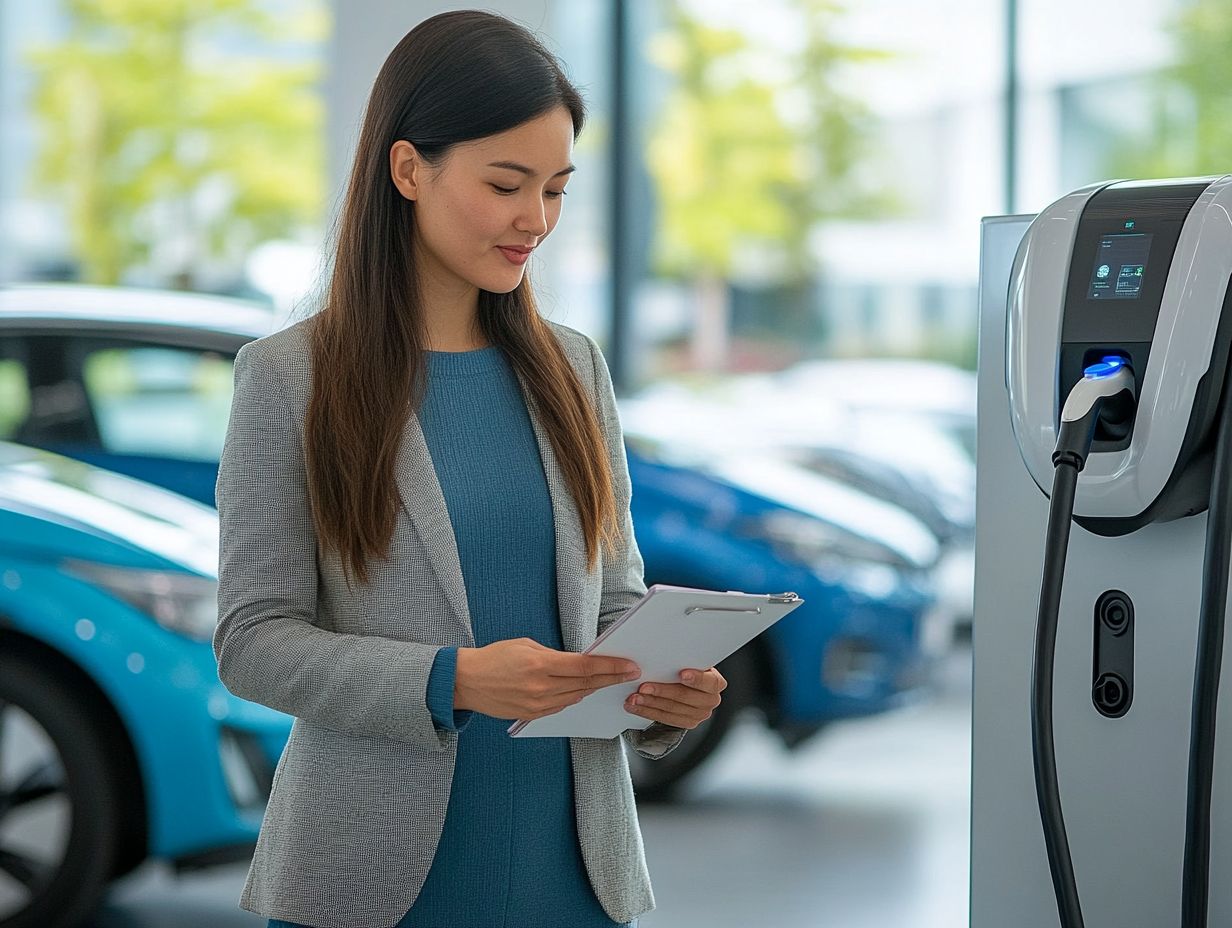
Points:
668	629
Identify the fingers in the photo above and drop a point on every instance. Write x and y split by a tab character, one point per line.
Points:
678	704
562	692
589	683
709	681
600	671
675	694
598	681
553	704
585	665
681	705
577	691
666	712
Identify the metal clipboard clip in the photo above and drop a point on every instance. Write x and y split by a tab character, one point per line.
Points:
755	610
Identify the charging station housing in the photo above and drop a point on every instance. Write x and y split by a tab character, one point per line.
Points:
1129	616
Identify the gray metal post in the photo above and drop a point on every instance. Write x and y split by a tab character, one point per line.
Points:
620	157
1011	105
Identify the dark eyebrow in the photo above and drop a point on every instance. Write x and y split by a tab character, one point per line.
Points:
523	169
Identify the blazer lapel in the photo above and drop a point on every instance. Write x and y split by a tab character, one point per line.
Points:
425	505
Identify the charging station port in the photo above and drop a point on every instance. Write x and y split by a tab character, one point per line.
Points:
1115	612
1111	695
1112	691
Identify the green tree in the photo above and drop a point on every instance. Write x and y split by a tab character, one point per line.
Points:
151	132
837	128
725	163
752	149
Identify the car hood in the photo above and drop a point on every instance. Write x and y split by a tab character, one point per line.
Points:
781	483
82	499
758	413
831	501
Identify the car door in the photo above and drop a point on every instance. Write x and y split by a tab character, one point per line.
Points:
145	407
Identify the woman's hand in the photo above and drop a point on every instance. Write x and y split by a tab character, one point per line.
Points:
683	705
521	679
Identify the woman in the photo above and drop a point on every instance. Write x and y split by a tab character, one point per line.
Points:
424	506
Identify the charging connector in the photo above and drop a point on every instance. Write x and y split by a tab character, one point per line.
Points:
1104	396
1106	390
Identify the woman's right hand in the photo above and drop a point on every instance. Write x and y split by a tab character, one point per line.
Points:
521	679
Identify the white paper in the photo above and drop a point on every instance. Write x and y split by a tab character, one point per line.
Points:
669	629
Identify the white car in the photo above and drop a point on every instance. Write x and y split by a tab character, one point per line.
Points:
895	430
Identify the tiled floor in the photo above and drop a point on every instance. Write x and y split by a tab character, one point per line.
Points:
866	827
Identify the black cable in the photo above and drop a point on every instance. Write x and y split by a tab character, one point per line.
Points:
1060	513
1106	392
1208	664
1074	440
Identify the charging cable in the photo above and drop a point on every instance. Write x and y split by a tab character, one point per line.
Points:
1196	874
1105	393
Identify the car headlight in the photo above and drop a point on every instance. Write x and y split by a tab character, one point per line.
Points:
819	545
180	602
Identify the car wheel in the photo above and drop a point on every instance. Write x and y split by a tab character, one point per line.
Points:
660	780
59	815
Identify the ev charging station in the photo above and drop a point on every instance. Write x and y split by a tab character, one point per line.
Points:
1101	794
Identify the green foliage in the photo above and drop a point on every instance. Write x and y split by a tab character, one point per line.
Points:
14	396
1191	108
149	128
837	127
753	147
724	163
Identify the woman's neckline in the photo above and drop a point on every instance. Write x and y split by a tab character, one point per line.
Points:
463	351
485	360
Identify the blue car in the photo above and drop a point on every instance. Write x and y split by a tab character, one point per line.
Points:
118	743
140	382
870	632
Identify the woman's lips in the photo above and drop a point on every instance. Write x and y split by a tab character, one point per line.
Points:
514	255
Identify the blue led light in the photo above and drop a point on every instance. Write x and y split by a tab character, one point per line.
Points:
1104	368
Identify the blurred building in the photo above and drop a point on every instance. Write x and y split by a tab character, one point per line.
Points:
928	110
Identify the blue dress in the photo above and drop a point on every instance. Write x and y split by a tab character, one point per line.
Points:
509	855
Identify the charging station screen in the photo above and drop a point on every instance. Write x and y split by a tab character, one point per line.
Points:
1119	265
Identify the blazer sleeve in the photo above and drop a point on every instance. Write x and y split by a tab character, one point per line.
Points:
269	647
623	570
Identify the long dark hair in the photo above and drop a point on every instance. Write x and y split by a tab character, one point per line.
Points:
453	78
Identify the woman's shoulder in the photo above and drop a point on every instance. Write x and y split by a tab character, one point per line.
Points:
579	346
276	369
284	355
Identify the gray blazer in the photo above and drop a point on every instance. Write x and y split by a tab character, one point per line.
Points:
359	795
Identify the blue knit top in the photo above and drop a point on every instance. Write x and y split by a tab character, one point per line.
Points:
509	855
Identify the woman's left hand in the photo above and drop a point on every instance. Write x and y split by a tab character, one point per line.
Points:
683	705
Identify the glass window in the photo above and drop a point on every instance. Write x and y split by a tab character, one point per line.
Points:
174	150
14	396
167	402
803	164
42	397
1095	110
